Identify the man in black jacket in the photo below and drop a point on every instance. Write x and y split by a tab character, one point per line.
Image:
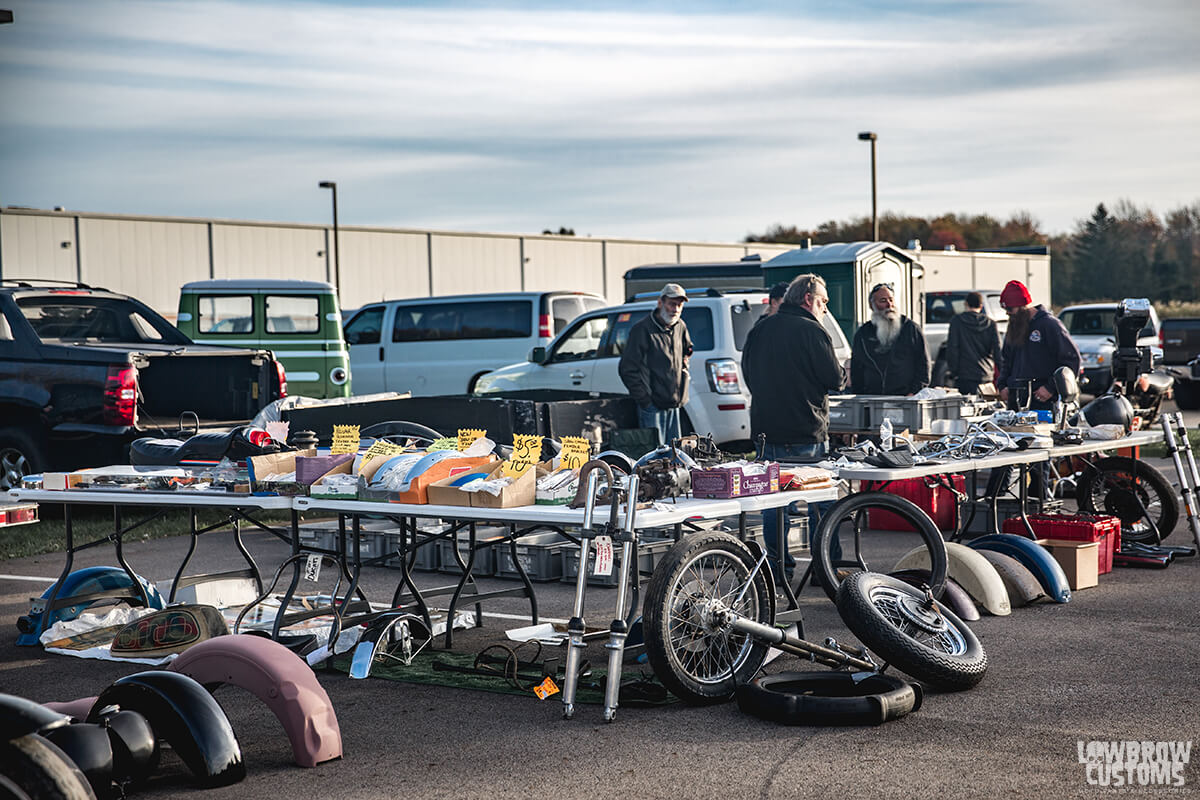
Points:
972	347
888	355
654	364
789	366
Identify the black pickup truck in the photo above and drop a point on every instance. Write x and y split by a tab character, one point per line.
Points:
84	371
1180	339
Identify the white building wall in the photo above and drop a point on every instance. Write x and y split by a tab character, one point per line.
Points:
149	259
471	263
32	247
382	265
948	270
624	256
268	251
564	263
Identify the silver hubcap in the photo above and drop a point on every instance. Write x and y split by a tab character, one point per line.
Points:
13	467
918	620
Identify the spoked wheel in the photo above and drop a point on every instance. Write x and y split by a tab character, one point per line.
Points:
909	630
846	522
1133	491
700	584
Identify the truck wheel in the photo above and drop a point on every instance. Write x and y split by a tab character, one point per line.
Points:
21	454
1187	395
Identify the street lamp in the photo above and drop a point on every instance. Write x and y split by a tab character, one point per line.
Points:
868	136
337	261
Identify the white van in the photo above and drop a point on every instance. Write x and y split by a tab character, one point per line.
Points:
585	358
441	345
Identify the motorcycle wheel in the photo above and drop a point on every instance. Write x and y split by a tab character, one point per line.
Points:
848	510
696	654
37	769
1122	487
919	637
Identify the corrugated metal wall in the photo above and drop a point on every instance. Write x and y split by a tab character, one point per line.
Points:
947	269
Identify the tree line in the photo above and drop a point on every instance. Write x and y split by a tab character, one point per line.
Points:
1126	251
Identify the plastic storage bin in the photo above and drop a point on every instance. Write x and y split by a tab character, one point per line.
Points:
1100	528
537	553
915	415
485	554
650	552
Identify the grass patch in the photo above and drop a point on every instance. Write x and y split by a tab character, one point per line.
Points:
1160	450
49	534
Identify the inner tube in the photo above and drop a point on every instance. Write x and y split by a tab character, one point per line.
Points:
828	698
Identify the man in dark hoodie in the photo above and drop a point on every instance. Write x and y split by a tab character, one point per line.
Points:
790	367
973	346
888	355
1035	345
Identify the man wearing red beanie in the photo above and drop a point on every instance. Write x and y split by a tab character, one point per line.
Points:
1035	345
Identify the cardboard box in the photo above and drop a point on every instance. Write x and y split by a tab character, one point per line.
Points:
725	482
418	488
521	492
1079	560
444	493
276	464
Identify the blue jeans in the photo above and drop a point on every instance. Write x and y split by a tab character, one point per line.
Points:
663	420
793	452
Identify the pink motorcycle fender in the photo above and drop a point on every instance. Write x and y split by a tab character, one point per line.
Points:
279	678
79	709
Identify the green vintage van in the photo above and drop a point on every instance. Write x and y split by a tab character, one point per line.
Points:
298	320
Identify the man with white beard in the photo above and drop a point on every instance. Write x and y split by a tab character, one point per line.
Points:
654	364
888	355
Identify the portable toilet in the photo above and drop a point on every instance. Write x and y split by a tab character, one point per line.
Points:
850	270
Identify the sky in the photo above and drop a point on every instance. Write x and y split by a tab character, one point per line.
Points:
694	121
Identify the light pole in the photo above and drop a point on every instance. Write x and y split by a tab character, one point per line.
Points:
337	261
868	136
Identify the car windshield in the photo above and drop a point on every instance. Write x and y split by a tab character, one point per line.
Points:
84	317
745	314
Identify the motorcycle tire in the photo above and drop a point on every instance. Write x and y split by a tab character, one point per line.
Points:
846	510
828	698
38	769
1109	487
697	657
900	625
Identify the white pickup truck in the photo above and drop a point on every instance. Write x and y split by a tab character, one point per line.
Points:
940	308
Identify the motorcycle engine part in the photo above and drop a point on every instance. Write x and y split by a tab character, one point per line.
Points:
828	698
304	440
955	597
278	677
603	495
1020	584
102	584
181	711
661	478
1110	409
970	570
1036	559
672	455
849	511
911	631
616	459
89	747
171	630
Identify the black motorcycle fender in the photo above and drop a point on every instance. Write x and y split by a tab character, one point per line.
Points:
181	711
19	717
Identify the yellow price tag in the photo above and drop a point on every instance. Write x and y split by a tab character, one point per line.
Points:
514	468
527	447
546	688
575	452
468	435
381	448
345	439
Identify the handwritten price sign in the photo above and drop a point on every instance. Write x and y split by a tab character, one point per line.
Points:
527	450
468	435
345	439
575	451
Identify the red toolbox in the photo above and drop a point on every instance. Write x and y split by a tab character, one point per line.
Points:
1076	527
931	494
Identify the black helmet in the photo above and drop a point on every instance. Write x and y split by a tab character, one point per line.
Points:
1110	409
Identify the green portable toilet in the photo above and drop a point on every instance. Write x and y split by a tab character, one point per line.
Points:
298	320
850	269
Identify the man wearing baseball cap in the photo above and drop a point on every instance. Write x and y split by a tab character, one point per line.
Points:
1035	345
654	364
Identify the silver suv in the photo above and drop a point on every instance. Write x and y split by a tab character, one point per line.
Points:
584	357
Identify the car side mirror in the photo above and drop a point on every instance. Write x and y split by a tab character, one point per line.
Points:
538	355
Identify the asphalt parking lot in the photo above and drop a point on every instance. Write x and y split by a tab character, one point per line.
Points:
1117	663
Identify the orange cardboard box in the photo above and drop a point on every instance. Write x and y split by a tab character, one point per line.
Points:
418	490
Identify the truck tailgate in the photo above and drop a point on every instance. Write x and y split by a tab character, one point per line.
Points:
216	386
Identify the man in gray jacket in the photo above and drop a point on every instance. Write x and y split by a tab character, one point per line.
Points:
654	364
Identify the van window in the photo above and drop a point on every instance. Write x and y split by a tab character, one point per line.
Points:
582	342
290	313
365	326
223	313
941	308
563	309
493	319
744	317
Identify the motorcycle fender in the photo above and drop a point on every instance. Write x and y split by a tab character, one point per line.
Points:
1033	557
181	711
971	570
279	678
954	596
1023	588
19	717
79	709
